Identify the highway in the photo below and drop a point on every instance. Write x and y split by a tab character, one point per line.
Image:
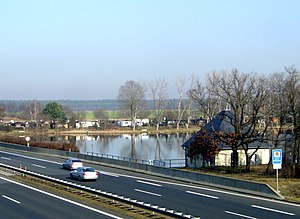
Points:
200	201
20	201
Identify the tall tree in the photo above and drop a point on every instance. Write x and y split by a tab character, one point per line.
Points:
132	97
208	104
33	109
102	116
292	97
182	102
158	93
54	111
276	109
245	97
2	110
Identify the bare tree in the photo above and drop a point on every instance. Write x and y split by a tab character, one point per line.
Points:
207	103
292	97
33	109
274	110
158	93
182	102
2	110
131	97
80	115
102	116
245	95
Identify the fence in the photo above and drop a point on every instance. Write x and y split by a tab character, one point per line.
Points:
171	163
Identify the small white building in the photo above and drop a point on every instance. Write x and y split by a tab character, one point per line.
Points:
222	123
87	124
128	123
124	123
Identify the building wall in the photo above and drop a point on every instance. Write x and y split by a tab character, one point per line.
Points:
262	156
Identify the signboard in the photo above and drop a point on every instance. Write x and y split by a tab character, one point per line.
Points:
27	138
159	163
277	158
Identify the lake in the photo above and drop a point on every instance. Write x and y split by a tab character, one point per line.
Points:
142	147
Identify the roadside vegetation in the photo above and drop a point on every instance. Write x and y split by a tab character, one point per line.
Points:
41	144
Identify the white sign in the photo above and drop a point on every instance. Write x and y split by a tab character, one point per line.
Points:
27	138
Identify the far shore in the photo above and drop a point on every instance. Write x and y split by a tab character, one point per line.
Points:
115	131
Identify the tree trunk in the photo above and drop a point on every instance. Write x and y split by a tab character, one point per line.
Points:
234	160
203	161
248	161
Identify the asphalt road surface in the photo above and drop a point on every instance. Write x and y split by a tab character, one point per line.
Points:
20	201
199	201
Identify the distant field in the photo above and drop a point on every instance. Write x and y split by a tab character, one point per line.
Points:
112	114
89	115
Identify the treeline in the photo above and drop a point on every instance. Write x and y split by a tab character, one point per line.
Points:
15	106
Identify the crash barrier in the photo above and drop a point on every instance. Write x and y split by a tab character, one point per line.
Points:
130	201
248	187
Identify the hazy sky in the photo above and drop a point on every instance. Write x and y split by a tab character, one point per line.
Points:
71	49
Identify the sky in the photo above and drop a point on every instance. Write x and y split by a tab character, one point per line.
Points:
87	49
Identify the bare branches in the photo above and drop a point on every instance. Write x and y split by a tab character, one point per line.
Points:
158	93
131	97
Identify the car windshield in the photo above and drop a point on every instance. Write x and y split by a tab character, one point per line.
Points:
88	170
76	160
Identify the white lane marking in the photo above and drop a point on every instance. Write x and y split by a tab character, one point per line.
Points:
274	210
38	166
11	199
5	158
240	215
63	199
176	184
149	193
148	183
213	190
32	158
108	174
200	194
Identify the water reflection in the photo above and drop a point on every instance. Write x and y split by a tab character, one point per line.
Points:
143	146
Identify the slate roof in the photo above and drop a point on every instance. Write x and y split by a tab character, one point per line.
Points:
222	122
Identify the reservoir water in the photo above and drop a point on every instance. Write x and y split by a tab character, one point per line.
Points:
143	146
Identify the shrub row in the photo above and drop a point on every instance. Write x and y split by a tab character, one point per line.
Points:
64	146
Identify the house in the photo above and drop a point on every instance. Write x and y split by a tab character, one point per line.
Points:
128	123
222	122
87	124
124	123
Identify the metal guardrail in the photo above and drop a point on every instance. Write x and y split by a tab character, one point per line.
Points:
134	202
170	163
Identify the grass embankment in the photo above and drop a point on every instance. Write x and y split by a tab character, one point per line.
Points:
289	188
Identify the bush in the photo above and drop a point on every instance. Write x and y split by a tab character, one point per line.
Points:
5	128
49	145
